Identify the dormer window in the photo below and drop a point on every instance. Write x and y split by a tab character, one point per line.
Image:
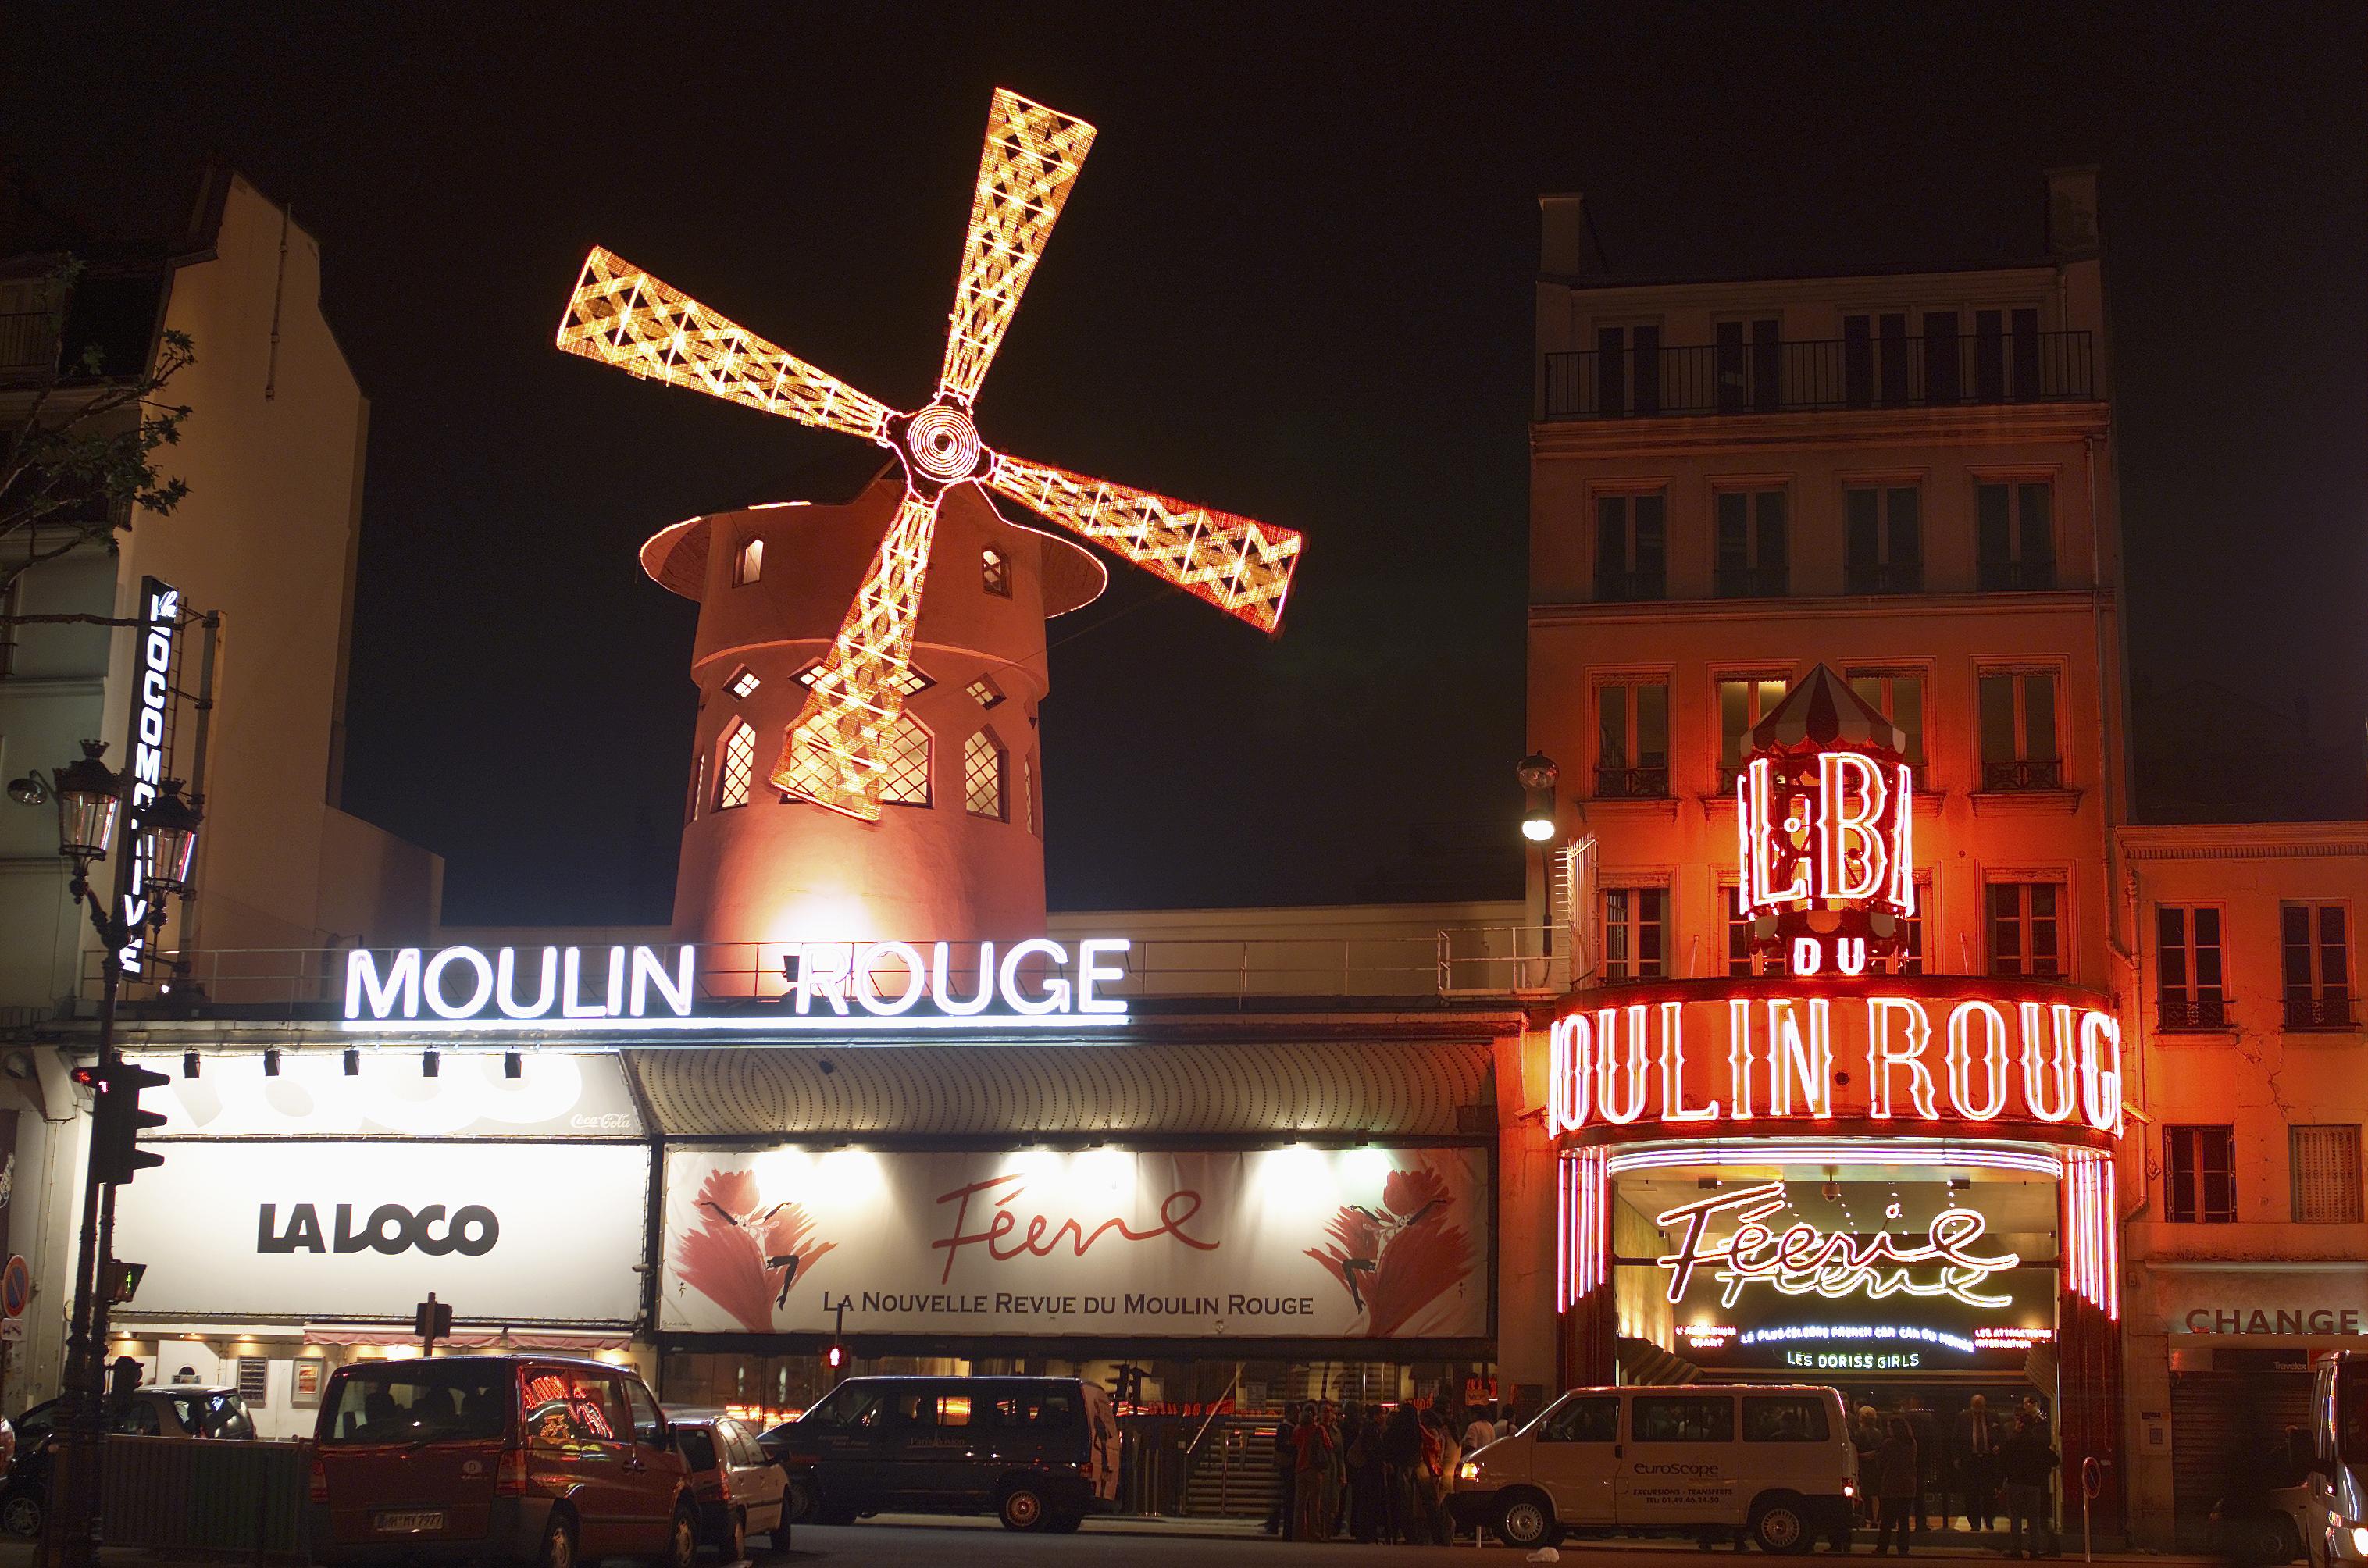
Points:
995	573
749	564
742	683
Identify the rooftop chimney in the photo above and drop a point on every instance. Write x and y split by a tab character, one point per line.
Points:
1566	241
2072	213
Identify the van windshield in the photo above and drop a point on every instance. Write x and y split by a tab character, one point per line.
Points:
419	1402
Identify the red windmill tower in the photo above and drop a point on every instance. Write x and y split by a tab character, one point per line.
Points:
825	661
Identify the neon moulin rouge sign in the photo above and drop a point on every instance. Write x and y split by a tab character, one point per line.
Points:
813	986
1802	1260
1692	1054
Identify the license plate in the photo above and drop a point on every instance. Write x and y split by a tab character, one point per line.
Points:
409	1521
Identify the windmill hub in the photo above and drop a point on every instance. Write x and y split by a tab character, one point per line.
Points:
940	445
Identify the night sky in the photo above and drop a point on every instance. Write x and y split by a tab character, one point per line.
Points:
1293	281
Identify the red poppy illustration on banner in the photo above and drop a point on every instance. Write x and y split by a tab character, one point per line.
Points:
745	1255
1398	1257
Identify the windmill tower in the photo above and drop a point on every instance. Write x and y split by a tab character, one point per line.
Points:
843	790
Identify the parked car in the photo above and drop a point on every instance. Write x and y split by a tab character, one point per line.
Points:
1040	1453
169	1410
538	1459
739	1486
1773	1462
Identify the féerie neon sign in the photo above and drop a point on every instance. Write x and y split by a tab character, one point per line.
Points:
1802	1260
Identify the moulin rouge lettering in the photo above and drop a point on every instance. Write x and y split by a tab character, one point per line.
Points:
1802	1260
1005	1237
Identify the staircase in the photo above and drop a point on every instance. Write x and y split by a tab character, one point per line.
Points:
1234	1475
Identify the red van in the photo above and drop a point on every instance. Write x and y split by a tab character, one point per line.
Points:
525	1458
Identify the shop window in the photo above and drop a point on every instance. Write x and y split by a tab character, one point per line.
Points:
749	564
743	683
905	779
2316	965
2027	929
735	765
1681	1418
2187	993
1898	696
1743	702
1752	556
995	573
2199	1173
1631	546
2326	1174
2015	537
983	793
1631	752
1593	1418
1636	925
2018	721
1784	1418
1883	530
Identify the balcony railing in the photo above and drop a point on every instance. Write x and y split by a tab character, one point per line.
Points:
1631	783
2318	1013
2007	776
1752	582
1832	373
1630	587
2191	1012
1884	577
2013	576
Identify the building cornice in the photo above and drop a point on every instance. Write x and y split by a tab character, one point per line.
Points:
1854	607
1970	424
2246	841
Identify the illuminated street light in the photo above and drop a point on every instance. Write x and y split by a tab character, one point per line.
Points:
1540	816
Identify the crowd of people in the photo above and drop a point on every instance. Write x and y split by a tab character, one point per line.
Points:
1373	1472
1992	1464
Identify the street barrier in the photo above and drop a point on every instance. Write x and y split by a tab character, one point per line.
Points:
207	1494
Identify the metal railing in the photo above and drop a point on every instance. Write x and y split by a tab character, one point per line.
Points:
2191	1012
1631	783
2319	1012
1630	587
1883	577
1875	371
212	1496
1751	582
2014	577
1461	962
2005	778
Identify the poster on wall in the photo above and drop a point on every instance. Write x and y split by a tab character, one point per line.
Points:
515	1233
1300	1242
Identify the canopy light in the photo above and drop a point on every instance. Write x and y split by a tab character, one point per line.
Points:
28	790
189	1064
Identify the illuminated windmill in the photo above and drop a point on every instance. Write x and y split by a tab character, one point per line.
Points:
834	754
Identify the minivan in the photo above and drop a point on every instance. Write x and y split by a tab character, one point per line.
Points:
1040	1453
2337	1506
1773	1462
533	1459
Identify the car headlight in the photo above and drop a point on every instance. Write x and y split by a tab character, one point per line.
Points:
1470	1471
2359	1534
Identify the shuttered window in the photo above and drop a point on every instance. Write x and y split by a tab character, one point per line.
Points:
2326	1175
2199	1175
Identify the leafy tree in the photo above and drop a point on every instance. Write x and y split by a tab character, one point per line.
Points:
85	452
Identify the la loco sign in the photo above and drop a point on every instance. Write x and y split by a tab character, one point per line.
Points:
1740	1055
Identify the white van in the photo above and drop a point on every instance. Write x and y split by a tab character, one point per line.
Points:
2338	1509
1776	1462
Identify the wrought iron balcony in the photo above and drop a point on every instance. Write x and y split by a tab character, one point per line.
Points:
2319	1012
1630	587
2012	576
1878	577
1830	374
2007	776
2191	1012
1752	582
1633	783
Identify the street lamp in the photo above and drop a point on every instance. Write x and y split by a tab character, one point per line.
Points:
1540	815
155	866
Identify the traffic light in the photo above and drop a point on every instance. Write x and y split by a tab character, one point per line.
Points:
834	1359
117	1120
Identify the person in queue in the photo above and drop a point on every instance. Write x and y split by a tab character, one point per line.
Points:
1894	1486
1279	1519
2028	1461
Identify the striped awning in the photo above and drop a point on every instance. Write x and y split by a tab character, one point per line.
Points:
1821	711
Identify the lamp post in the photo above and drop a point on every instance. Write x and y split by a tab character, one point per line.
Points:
1541	820
151	866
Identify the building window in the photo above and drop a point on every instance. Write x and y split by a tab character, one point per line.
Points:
995	573
2317	965
1751	374
1631	751
906	685
698	784
2026	929
1741	960
1752	558
983	794
1908	959
2015	535
2326	1174
749	564
2199	1175
1635	924
1885	539
2006	364
735	766
1743	702
743	683
2018	717
984	692
1875	359
2187	993
1899	696
905	779
1631	546
1628	370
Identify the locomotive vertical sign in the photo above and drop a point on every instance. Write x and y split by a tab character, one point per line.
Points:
144	776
